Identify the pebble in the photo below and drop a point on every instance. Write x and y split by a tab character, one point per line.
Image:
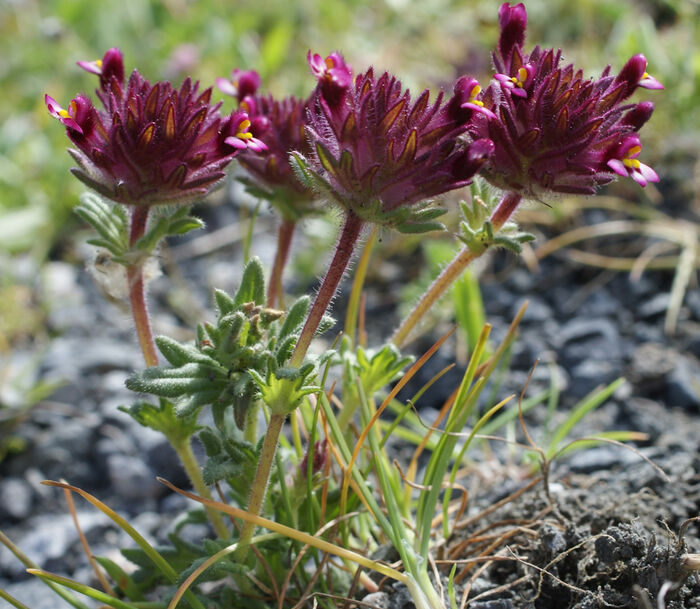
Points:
656	305
35	594
601	458
131	478
377	600
684	384
16	498
71	358
590	374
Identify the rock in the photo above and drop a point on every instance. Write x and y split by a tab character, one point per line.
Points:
601	458
377	600
692	301
49	538
580	328
656	305
68	310
599	303
131	478
35	594
553	539
589	374
684	384
72	358
16	498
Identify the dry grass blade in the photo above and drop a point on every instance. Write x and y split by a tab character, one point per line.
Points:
488	551
640	436
329	525
624	263
86	547
499	504
305	538
413	465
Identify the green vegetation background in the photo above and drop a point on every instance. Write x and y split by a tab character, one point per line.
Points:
426	43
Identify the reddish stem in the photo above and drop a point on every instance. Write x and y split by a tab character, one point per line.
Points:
284	241
504	210
341	258
137	289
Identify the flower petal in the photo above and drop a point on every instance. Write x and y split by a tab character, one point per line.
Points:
618	167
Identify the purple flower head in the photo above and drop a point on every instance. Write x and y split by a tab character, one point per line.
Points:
333	74
239	136
624	161
320	456
110	66
279	125
243	83
558	132
379	152
151	144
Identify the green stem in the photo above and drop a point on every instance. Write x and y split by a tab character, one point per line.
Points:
504	210
183	448
284	241
259	488
137	289
357	284
341	258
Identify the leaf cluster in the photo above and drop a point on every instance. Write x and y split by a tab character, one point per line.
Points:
417	218
247	340
111	222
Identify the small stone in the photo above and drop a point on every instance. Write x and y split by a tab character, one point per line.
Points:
36	594
588	375
553	539
656	305
16	498
683	387
692	301
601	458
131	478
581	328
377	600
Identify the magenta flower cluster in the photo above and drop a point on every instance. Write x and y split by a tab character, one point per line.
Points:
150	143
376	151
554	130
364	142
280	126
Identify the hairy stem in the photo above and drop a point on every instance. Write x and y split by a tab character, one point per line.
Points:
137	289
259	488
183	448
341	258
139	310
504	210
284	241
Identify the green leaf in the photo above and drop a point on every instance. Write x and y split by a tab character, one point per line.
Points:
224	303
420	227
295	317
121	578
252	288
188	406
326	323
178	354
175	382
161	417
184	226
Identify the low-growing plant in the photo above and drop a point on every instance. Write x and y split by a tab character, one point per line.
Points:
378	155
